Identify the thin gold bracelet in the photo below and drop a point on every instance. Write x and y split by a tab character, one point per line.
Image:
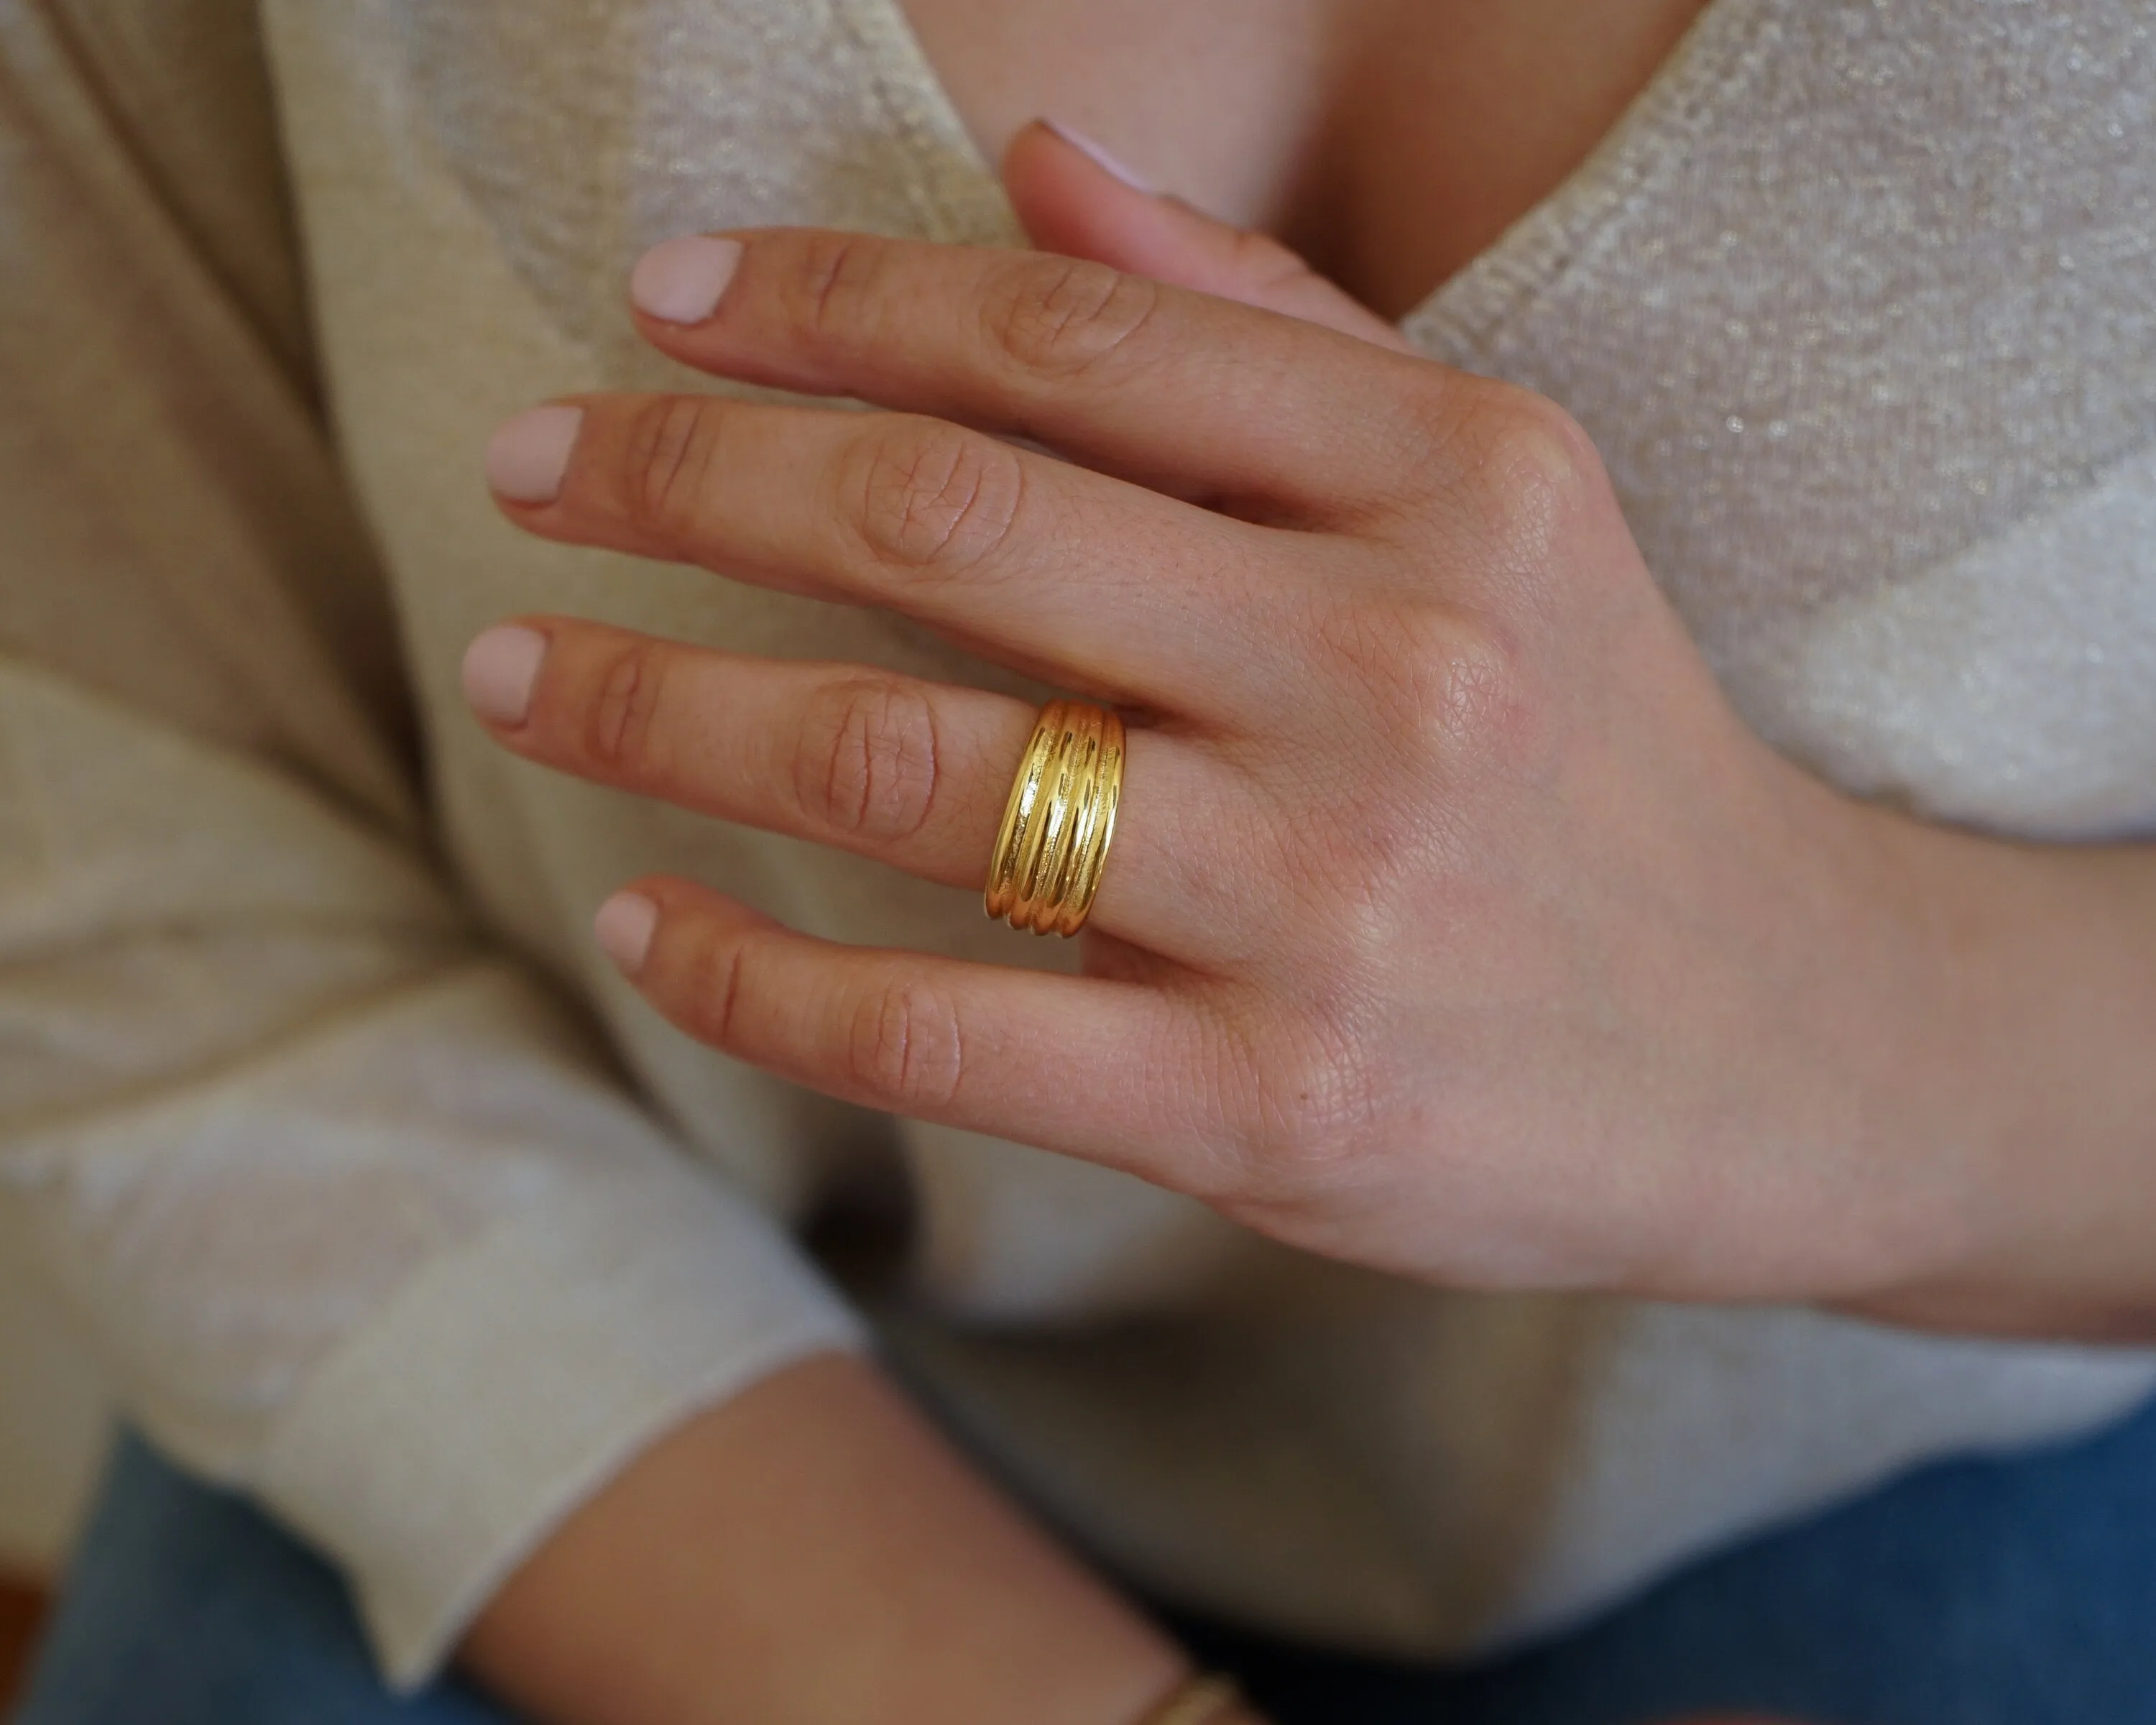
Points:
1199	1701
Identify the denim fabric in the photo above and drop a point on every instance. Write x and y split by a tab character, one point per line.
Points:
2014	1592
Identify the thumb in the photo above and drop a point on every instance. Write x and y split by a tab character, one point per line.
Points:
1075	199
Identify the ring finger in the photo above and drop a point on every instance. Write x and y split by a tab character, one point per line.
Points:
910	773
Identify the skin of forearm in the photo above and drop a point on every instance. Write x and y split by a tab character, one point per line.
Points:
2035	1077
813	1553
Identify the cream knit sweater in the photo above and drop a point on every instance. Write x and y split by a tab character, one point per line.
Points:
376	1190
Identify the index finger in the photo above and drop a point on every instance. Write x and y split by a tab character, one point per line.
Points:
1248	410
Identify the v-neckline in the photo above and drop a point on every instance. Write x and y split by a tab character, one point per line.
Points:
1461	315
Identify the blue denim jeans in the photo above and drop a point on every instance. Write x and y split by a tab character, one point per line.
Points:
2015	1592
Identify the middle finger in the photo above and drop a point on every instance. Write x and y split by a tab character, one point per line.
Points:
1092	582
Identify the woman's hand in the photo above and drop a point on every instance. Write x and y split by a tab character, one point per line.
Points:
1454	924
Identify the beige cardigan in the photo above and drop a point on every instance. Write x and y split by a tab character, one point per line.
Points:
377	1192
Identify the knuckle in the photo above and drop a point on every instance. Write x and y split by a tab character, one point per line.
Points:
869	762
1317	1103
1496	470
1058	318
1480	704
904	1048
1488	714
936	499
714	979
1449	703
832	282
1427	679
1310	1103
1359	869
621	733
1532	466
668	457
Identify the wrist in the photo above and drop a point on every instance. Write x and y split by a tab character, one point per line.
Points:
811	1548
2020	1153
1847	1091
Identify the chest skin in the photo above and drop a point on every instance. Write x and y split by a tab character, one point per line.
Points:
1388	141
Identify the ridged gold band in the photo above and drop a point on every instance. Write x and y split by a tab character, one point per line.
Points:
1060	821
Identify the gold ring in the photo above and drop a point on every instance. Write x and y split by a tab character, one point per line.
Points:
1060	821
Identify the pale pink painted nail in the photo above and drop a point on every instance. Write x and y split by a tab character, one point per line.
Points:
683	280
624	926
500	668
1111	165
526	456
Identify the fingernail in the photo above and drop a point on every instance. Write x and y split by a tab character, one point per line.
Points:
526	456
1101	159
624	926
682	281
500	668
